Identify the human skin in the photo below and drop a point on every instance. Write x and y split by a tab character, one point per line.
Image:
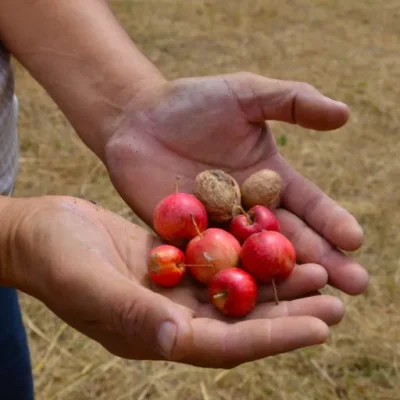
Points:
146	128
89	266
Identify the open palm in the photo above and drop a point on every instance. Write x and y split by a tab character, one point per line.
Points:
88	266
188	125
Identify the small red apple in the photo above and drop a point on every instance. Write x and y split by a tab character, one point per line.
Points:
233	291
173	218
211	251
258	218
268	255
166	265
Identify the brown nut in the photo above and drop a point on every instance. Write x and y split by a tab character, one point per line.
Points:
219	192
261	188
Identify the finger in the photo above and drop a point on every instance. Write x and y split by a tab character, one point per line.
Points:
304	279
304	199
109	302
299	103
220	345
153	322
316	293
343	273
328	309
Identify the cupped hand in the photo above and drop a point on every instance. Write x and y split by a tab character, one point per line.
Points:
88	266
185	126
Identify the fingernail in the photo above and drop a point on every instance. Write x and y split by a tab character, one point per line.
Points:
166	338
359	229
359	234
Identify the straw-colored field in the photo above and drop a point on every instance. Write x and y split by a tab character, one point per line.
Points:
348	50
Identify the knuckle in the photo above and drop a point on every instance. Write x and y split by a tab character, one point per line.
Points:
230	357
131	318
242	88
285	312
298	238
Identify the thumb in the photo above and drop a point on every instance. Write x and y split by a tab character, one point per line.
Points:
293	102
156	326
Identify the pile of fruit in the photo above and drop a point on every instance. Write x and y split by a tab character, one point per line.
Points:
226	236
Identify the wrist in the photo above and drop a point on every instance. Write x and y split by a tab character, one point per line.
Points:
125	95
115	89
6	262
15	243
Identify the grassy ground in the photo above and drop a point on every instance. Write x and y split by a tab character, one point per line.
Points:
347	49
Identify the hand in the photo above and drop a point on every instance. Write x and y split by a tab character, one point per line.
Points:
188	125
88	266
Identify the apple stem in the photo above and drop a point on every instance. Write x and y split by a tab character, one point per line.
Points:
275	292
177	183
243	211
196	226
219	295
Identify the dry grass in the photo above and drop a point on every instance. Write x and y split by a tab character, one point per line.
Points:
349	50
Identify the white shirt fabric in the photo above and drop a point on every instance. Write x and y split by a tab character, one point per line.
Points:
8	126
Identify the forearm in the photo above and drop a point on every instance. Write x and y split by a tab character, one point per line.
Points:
81	55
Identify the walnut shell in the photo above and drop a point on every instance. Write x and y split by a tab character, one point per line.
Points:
261	188
219	192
